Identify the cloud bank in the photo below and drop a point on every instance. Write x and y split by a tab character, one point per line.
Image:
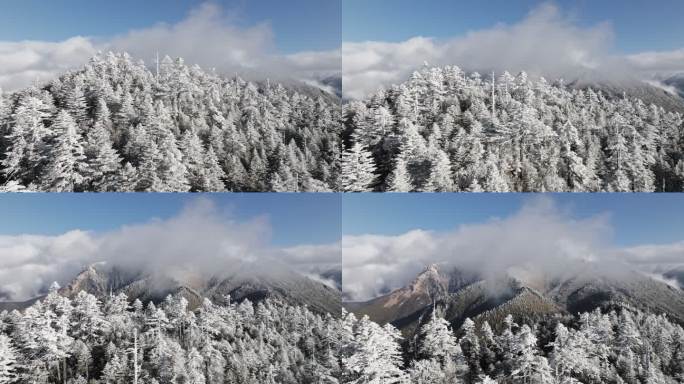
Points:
653	254
198	241
541	238
28	62
546	42
658	61
208	36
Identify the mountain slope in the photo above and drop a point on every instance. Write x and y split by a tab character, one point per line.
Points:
634	89
289	287
404	303
10	306
677	82
676	274
527	299
245	283
584	293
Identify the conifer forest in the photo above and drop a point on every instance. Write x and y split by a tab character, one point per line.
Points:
445	130
115	125
341	192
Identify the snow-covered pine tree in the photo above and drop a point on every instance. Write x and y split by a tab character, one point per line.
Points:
113	96
358	170
103	162
540	136
66	163
8	360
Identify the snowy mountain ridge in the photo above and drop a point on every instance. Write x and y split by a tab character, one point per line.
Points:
520	292
289	287
477	335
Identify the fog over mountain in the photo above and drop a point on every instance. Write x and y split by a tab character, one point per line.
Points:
537	296
676	83
447	325
541	238
521	291
198	244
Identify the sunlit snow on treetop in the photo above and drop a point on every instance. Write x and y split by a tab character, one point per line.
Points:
116	125
448	130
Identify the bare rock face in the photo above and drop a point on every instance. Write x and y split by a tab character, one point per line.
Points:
90	280
402	304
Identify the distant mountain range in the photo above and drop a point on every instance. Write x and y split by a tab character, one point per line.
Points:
244	283
459	295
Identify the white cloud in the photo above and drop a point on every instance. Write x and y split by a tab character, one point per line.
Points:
198	242
208	36
538	236
313	258
658	61
546	42
313	60
541	239
22	63
653	254
29	264
374	264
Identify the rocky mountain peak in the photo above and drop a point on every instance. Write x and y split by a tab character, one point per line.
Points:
431	282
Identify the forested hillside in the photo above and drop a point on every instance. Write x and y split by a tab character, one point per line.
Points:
109	340
622	345
114	125
445	130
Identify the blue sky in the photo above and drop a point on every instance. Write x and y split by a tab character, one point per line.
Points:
635	218
639	25
294	218
297	24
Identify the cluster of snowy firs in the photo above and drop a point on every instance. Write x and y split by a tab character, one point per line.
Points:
446	131
116	126
621	346
83	340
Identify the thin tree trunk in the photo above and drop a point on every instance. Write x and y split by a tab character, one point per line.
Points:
135	356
